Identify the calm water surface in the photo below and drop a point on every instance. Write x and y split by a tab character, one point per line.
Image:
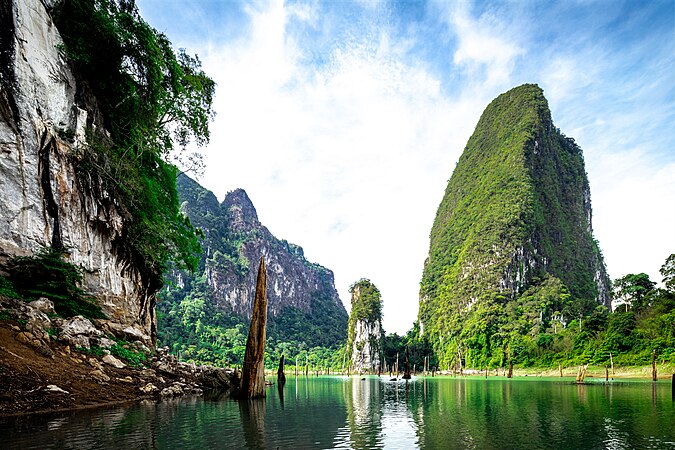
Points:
341	412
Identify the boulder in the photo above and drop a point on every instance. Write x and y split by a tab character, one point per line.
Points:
99	376
148	373
217	378
111	360
93	362
44	305
105	342
175	390
149	388
52	388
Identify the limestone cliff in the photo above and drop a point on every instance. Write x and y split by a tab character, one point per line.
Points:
44	112
303	304
516	213
365	334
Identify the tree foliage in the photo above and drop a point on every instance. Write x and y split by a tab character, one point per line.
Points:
633	289
48	274
668	272
150	98
366	305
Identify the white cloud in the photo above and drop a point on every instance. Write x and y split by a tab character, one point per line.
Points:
349	157
633	214
337	159
483	48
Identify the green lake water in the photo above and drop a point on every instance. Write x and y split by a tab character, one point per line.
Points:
342	412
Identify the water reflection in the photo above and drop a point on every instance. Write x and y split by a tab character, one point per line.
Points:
253	422
348	412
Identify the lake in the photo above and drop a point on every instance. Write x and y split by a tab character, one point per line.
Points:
342	412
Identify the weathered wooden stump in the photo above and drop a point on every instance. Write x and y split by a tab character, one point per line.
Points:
253	371
281	376
406	373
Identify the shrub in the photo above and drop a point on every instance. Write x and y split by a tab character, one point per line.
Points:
47	274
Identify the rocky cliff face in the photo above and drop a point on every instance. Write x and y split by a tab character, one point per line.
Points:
516	211
366	336
303	303
44	112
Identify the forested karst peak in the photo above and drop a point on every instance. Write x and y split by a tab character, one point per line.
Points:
303	304
516	210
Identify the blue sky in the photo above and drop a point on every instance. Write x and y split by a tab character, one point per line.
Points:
344	120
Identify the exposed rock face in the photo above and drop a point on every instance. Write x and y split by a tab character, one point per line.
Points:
43	117
300	294
516	210
366	336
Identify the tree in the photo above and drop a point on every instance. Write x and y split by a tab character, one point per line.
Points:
150	98
668	273
633	289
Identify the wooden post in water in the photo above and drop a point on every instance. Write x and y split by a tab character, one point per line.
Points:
510	374
406	372
397	365
253	370
611	363
672	387
560	369
486	371
296	365
581	374
654	375
281	376
606	373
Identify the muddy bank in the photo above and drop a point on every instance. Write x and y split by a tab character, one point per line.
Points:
43	370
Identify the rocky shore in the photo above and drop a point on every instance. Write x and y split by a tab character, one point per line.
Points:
48	363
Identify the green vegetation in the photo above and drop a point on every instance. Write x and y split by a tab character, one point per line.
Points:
199	324
197	330
121	350
149	98
47	274
418	348
512	230
545	327
7	288
366	307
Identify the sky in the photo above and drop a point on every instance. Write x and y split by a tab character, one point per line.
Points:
343	120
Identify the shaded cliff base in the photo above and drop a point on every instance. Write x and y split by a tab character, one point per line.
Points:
46	375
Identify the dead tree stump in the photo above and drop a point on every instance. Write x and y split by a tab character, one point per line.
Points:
253	371
281	376
406	373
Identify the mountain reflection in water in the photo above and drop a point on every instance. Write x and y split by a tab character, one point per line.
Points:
342	412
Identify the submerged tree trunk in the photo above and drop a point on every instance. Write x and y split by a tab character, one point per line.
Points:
253	372
654	374
611	362
396	364
281	376
510	374
406	373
